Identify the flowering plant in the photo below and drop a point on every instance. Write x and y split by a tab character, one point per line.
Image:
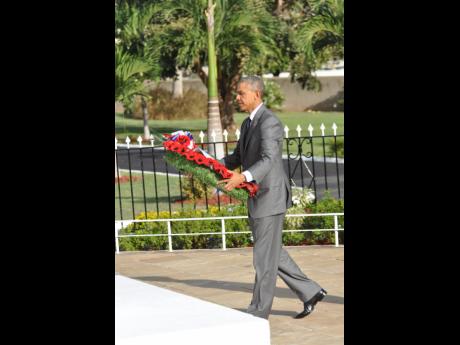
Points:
302	197
182	153
302	200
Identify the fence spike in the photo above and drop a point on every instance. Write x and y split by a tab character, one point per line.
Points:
116	143
286	130
334	127
139	140
213	135
237	133
152	140
310	129
225	133
127	141
298	129
322	127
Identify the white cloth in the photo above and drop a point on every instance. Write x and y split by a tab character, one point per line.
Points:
147	314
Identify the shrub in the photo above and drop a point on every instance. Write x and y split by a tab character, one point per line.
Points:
273	96
187	241
327	205
194	189
162	105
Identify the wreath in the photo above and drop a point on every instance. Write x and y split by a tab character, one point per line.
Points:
184	155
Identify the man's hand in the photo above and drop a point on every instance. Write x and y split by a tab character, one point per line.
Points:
233	181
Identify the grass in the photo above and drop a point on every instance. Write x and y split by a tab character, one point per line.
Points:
153	199
133	127
137	195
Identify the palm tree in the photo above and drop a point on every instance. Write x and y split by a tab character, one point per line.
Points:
243	30
322	34
320	37
137	53
214	123
129	70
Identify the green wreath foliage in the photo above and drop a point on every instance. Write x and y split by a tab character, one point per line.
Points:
203	174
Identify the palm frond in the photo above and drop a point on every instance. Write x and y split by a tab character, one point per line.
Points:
323	30
128	74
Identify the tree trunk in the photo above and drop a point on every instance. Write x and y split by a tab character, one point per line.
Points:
214	123
177	90
227	104
203	76
279	7
146	118
228	110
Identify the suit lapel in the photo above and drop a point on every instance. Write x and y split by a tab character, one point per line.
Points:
243	132
253	125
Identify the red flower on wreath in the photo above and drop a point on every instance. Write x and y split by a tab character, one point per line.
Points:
179	144
220	169
226	174
184	140
200	159
191	155
251	187
175	147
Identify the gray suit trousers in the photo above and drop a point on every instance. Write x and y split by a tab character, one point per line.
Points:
271	260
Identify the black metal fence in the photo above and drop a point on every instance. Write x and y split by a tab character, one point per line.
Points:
144	182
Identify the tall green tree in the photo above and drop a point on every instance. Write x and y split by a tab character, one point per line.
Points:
214	122
129	71
243	31
310	33
136	53
319	37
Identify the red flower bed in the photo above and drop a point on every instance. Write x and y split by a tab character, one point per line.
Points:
124	179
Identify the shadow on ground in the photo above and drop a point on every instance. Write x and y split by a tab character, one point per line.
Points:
235	286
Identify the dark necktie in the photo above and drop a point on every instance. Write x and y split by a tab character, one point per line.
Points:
246	131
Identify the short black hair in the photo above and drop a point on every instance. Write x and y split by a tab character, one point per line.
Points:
256	83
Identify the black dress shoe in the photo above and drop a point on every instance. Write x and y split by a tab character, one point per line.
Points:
309	306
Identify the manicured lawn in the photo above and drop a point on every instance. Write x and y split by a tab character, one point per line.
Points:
131	127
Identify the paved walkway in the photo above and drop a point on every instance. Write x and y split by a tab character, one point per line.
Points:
226	278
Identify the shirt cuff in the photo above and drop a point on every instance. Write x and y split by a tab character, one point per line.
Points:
248	176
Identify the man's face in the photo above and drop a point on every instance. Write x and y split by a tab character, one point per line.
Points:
246	98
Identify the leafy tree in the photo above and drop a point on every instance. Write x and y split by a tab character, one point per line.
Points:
136	53
243	31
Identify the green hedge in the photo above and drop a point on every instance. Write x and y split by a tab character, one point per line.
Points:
188	242
326	205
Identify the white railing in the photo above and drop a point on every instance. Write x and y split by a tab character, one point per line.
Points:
336	228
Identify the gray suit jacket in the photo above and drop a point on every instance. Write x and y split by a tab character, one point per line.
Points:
262	156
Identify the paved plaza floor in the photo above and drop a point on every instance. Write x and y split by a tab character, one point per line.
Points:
226	278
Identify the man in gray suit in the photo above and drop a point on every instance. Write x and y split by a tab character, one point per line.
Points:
259	151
